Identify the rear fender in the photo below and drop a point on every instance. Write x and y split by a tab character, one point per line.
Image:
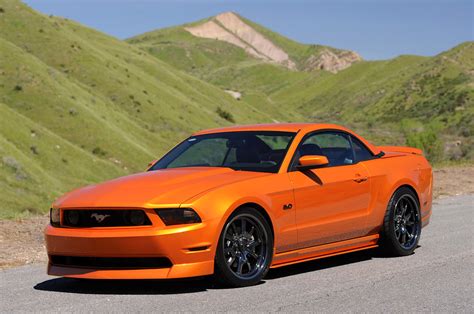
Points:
401	149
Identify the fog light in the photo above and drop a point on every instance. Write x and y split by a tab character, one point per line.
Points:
137	217
72	217
54	217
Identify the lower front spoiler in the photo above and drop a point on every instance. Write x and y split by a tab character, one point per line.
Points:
176	271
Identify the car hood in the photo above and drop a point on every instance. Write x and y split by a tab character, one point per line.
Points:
153	188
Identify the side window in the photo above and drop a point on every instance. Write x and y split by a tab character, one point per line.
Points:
336	146
361	152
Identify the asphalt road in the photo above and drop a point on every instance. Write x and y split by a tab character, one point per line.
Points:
438	278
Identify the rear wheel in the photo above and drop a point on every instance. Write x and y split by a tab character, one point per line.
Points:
245	249
402	223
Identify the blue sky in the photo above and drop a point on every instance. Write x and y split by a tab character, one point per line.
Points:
377	29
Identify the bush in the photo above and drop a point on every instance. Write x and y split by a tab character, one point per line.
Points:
429	142
225	115
34	150
18	88
99	151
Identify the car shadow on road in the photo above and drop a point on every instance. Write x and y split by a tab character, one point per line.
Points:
125	287
327	262
323	263
150	287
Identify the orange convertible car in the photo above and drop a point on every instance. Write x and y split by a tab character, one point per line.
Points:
237	201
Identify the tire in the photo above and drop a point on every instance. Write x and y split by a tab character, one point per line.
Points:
402	223
243	258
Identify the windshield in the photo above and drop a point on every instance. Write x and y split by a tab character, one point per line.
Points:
251	151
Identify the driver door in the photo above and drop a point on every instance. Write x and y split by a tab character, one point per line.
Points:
331	203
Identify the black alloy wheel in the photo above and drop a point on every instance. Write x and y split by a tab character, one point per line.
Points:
406	221
402	223
245	249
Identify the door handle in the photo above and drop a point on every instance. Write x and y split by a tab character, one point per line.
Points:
360	179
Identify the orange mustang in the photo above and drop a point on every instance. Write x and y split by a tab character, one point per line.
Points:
237	201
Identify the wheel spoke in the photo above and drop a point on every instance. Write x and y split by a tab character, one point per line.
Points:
230	260
249	266
253	254
404	208
232	229
404	238
244	225
252	229
254	244
240	265
399	207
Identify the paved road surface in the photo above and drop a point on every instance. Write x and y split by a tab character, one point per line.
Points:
438	277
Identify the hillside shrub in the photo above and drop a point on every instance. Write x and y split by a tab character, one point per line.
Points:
428	141
225	114
13	164
99	151
18	88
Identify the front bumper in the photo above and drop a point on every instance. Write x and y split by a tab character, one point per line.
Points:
189	248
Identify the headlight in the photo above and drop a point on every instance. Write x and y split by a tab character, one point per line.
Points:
178	216
54	217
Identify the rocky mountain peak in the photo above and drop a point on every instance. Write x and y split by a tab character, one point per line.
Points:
229	27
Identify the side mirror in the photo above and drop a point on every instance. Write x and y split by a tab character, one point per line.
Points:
312	161
151	164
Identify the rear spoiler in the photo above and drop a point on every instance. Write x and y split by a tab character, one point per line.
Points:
401	149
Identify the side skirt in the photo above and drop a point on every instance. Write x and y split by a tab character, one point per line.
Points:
325	250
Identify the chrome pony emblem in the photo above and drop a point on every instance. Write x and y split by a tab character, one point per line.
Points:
99	218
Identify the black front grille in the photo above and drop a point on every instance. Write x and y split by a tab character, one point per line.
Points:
84	218
110	262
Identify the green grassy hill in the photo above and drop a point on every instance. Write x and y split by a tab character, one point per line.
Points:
78	106
426	102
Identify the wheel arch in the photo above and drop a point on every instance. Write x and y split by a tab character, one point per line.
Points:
410	187
261	210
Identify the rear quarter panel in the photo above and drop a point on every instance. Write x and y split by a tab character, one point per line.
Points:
389	173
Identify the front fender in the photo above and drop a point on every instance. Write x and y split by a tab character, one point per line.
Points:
270	193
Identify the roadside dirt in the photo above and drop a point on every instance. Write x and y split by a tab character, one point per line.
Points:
452	181
21	241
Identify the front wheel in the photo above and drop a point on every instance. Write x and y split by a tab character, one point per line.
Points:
245	249
402	223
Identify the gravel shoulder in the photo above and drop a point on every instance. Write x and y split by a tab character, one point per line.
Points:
21	241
